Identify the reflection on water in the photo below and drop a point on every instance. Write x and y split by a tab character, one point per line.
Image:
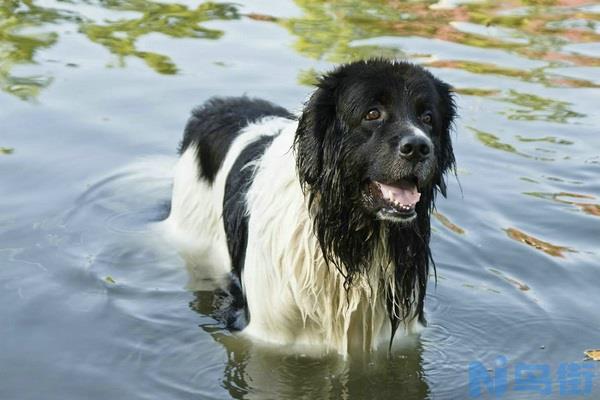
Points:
519	285
334	31
533	76
548	248
19	48
174	20
579	200
327	31
98	305
448	224
19	44
494	142
255	371
524	146
337	32
536	108
547	139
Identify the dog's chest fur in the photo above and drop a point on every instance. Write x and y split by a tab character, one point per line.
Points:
296	296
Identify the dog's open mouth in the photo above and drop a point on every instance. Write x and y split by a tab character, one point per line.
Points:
395	200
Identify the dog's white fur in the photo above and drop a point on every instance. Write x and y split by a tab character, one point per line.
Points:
293	296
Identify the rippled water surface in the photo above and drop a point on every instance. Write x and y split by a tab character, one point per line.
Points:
93	98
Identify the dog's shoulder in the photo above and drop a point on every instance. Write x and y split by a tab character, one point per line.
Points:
214	125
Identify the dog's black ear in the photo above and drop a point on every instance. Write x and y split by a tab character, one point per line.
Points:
318	118
447	109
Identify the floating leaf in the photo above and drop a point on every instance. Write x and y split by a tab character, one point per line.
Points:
6	150
109	279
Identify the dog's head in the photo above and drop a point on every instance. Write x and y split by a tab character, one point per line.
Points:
375	137
372	146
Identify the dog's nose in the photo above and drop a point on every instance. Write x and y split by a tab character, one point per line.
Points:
415	147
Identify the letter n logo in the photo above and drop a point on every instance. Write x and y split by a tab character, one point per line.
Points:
494	381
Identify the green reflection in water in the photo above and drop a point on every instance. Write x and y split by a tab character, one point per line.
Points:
493	141
477	92
581	201
333	31
534	76
26	28
536	108
308	77
173	20
325	30
546	139
19	47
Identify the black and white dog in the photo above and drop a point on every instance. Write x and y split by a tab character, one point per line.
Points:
323	221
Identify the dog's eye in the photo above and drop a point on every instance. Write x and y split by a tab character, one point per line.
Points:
373	114
426	117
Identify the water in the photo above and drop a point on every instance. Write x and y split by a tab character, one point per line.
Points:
93	305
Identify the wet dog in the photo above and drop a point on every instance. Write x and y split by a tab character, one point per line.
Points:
322	221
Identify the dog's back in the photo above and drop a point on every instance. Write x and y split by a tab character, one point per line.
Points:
217	123
211	180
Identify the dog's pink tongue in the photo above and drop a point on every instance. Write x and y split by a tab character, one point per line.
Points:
407	194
